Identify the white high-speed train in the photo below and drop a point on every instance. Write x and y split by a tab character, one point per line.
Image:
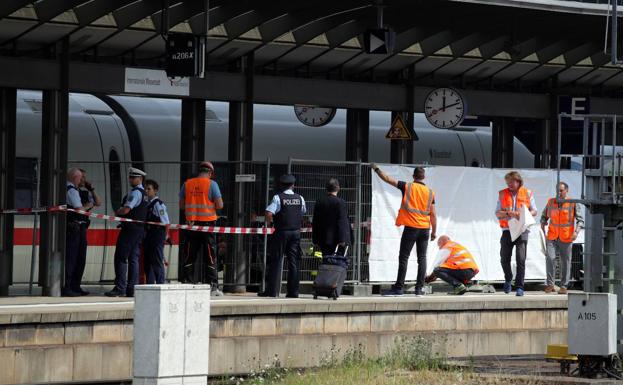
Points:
134	129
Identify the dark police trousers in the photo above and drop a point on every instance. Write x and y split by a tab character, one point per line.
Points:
127	253
201	245
418	237
506	252
454	277
153	251
75	255
283	242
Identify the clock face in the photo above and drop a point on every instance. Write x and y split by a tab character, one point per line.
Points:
314	116
445	108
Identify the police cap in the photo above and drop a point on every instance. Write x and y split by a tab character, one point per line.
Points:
287	179
132	171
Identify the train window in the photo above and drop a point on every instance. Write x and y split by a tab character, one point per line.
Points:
211	116
114	168
25	182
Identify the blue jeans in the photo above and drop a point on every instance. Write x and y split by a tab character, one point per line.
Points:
126	259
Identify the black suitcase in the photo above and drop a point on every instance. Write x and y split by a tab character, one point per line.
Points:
331	275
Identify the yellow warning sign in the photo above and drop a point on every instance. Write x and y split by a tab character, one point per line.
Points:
398	129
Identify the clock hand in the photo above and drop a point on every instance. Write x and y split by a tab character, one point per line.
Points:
452	105
443	107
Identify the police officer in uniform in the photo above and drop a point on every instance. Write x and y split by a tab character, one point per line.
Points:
87	195
200	197
76	235
134	206
155	236
286	212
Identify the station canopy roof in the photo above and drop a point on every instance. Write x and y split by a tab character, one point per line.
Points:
515	45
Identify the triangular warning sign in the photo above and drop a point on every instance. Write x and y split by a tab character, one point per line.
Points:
398	129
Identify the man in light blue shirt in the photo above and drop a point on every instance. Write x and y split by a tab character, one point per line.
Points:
76	234
286	211
127	250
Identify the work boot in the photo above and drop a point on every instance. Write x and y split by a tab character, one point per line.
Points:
519	292
507	287
216	292
562	290
549	289
459	289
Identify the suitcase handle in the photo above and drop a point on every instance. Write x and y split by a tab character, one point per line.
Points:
345	250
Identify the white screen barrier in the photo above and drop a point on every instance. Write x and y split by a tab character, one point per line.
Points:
465	203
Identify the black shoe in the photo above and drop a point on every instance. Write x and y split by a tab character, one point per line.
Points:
114	293
262	294
83	292
69	293
419	292
292	295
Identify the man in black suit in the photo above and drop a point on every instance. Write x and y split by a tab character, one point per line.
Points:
330	223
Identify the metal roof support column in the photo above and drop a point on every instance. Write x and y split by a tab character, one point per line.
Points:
8	100
192	151
53	178
241	153
502	142
357	134
542	158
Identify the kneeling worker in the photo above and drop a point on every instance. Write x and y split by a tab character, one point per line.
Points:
454	264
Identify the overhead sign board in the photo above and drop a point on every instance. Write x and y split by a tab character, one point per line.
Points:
379	41
398	129
156	82
574	105
241	178
183	55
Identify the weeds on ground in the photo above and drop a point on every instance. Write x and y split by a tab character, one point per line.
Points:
411	361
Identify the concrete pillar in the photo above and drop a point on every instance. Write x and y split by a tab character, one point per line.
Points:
192	151
357	134
8	100
502	142
53	178
240	151
401	151
171	334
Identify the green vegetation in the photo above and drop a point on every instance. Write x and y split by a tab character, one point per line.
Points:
412	361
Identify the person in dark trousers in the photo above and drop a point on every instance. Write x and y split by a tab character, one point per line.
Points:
127	251
87	195
286	212
510	201
417	215
76	235
200	197
155	236
330	224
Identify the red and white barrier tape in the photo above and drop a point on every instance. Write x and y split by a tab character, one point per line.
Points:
206	229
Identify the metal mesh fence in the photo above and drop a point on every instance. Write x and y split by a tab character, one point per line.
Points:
355	189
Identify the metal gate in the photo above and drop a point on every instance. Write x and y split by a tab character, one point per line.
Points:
356	190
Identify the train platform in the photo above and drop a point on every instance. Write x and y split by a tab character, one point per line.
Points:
92	336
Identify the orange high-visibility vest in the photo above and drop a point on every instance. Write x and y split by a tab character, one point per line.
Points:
416	206
459	259
561	220
506	202
197	205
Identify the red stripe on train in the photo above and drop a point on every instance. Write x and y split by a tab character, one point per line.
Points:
95	237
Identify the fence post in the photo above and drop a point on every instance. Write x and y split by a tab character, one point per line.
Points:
357	254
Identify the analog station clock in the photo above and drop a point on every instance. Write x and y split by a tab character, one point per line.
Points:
445	107
314	116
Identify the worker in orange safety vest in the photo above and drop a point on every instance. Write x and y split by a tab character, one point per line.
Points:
200	197
564	224
454	264
511	201
417	215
